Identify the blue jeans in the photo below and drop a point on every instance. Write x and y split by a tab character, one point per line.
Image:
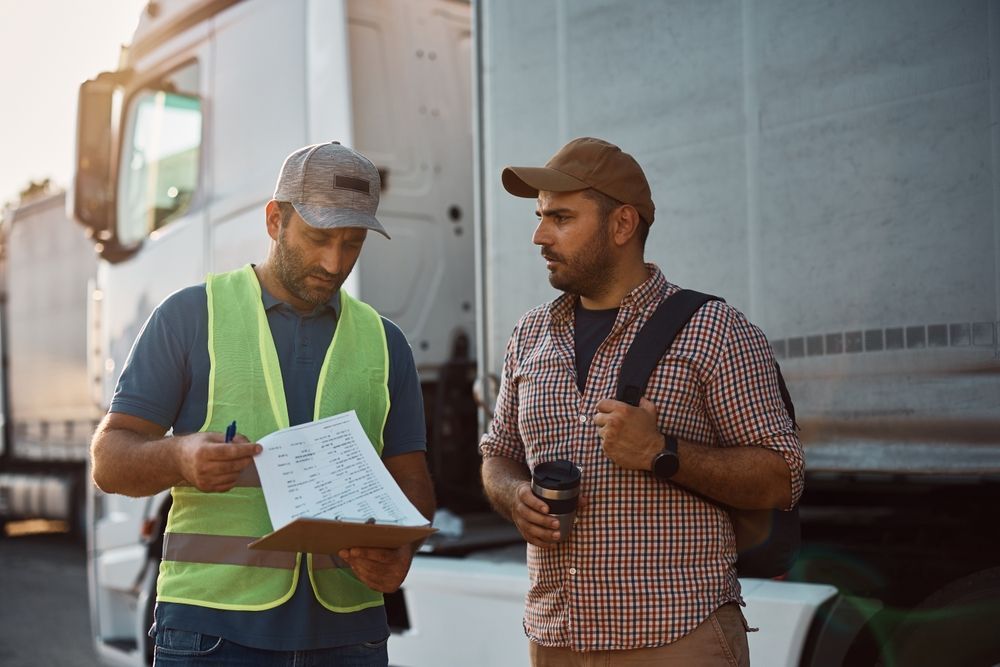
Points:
180	648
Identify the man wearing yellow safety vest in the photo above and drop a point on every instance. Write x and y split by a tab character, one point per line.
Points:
258	346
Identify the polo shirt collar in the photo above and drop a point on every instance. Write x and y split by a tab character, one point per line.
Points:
271	301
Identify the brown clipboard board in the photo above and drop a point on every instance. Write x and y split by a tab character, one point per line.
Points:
326	536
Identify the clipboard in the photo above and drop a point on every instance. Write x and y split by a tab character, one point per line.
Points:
327	536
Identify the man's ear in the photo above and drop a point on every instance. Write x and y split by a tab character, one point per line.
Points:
272	214
625	224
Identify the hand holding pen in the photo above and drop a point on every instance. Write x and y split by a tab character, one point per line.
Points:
212	462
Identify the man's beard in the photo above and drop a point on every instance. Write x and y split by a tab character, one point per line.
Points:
589	271
291	271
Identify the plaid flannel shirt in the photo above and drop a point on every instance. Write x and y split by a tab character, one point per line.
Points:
647	560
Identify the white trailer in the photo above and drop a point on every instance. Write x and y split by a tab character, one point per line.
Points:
47	405
829	168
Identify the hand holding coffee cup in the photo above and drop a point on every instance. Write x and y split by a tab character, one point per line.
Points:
557	483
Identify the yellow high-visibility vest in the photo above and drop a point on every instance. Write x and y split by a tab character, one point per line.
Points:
205	558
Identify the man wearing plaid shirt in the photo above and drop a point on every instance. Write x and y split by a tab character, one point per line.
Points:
647	576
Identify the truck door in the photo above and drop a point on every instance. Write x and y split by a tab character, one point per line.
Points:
160	214
410	77
159	235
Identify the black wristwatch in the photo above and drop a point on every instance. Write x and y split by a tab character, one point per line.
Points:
665	463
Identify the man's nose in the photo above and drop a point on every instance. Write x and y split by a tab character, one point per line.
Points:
332	259
541	236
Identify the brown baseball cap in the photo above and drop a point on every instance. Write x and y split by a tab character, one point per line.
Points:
586	163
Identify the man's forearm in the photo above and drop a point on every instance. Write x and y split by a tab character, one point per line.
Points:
741	477
133	464
501	479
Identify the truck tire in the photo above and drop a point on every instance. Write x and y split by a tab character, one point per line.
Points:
956	626
148	602
78	510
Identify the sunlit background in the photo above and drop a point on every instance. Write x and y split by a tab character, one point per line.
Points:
47	49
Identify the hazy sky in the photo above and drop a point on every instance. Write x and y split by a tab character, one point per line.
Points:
47	49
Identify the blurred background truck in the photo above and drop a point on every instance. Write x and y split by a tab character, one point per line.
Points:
49	405
830	168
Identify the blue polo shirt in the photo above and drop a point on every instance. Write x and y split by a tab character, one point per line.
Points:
166	381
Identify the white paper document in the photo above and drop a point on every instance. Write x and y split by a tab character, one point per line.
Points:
328	469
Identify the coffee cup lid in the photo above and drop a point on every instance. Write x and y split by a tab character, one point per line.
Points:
557	475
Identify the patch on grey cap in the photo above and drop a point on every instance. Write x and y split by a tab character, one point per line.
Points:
331	186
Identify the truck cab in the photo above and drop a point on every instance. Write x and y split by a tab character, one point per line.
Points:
178	152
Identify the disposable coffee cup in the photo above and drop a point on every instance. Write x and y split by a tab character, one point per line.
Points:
558	484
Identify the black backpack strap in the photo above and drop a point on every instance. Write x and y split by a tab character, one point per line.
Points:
786	397
653	340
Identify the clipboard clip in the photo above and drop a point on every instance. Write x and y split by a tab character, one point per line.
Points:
365	520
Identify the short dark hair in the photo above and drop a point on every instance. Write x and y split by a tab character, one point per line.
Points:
286	209
606	204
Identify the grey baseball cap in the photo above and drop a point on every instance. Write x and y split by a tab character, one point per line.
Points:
331	186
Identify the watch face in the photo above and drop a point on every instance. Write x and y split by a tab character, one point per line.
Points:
665	465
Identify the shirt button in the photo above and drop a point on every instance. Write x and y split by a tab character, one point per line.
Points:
583	419
572	570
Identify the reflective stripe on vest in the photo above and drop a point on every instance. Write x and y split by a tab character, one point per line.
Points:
206	561
231	550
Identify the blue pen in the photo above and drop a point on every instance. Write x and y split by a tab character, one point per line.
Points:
231	431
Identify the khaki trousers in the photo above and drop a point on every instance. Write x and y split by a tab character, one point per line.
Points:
719	641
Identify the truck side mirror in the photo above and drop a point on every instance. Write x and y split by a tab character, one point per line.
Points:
93	190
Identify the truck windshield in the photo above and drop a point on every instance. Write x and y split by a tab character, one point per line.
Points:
160	157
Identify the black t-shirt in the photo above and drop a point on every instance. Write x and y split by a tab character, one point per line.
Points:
590	330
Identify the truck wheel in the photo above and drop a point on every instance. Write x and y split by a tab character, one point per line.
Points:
147	603
955	626
78	512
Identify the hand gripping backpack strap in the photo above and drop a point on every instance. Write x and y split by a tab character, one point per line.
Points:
767	541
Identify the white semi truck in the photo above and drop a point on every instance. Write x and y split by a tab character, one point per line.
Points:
828	167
